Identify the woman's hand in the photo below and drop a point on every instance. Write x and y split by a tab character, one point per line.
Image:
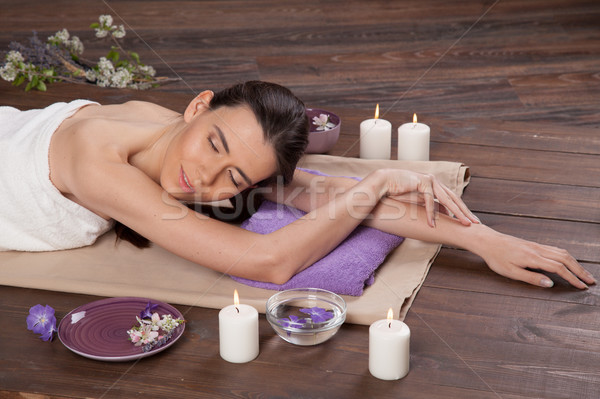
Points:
425	189
512	257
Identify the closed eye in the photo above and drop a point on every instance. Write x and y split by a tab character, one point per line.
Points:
212	145
236	184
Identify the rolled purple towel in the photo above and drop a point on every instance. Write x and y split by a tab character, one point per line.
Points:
346	270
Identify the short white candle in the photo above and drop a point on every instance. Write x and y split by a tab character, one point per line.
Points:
238	332
413	141
375	138
389	348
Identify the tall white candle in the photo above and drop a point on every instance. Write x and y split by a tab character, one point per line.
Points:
413	141
238	332
375	138
389	348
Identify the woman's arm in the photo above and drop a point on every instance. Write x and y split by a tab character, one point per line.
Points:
124	193
506	255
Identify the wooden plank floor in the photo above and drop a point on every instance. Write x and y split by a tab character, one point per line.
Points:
510	87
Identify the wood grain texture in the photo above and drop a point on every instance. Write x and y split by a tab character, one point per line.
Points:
510	88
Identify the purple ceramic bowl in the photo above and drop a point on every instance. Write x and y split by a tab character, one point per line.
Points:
321	141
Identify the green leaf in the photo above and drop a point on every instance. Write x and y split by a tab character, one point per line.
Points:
41	86
19	80
34	81
95	25
29	86
135	56
113	56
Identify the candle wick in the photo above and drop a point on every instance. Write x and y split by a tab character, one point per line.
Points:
236	308
390	325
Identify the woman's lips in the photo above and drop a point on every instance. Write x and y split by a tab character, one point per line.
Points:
184	182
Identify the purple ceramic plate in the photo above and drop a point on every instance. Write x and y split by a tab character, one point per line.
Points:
101	332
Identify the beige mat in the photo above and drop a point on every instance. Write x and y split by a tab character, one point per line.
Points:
122	270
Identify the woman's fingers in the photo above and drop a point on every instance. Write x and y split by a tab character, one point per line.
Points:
530	277
553	260
454	204
426	187
515	258
565	273
566	266
404	185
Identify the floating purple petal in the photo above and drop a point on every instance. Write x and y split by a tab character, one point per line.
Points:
317	314
294	322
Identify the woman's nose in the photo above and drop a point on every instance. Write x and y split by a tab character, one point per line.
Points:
208	172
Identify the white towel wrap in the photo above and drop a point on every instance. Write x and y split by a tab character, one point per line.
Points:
34	215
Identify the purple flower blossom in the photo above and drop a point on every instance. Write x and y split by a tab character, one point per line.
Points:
317	314
147	313
41	320
293	322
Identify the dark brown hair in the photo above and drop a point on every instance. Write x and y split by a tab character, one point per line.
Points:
281	115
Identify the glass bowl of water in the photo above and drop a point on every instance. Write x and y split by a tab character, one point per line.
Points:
306	316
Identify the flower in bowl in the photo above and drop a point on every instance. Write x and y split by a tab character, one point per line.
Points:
322	122
306	316
324	130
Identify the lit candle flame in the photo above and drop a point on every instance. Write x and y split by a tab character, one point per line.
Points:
236	299
414	118
377	112
390	317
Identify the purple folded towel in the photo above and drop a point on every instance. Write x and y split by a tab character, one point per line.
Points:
346	270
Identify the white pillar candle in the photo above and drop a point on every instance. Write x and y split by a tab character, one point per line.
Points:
375	138
238	332
389	348
413	141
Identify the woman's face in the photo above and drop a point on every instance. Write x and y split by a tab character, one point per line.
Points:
218	154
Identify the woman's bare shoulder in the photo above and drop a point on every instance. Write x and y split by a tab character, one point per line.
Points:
129	111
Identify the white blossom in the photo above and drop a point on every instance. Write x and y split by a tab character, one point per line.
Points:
140	86
14	57
106	21
75	45
91	75
102	82
167	323
105	66
100	33
120	78
61	37
8	72
322	122
119	32
147	70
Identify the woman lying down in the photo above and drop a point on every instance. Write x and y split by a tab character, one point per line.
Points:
71	170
